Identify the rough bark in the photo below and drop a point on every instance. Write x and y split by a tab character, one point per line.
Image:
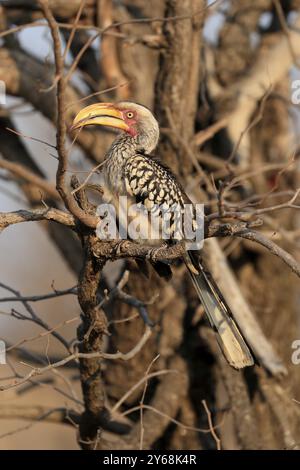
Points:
254	409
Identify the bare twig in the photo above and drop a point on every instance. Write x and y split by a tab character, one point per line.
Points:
70	203
137	385
73	30
210	423
273	248
37	414
142	402
34	139
43	334
134	21
37	298
202	136
118	355
175	421
286	30
33	317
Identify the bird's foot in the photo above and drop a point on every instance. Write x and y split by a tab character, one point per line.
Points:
121	246
152	254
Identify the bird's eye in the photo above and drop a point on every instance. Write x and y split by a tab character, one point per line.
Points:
130	115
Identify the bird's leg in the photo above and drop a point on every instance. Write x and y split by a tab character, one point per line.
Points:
119	245
153	252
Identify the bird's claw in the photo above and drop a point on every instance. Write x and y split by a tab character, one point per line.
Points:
152	254
121	244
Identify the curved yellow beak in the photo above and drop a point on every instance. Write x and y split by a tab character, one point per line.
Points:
101	114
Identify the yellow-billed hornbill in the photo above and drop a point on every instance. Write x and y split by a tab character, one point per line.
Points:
130	170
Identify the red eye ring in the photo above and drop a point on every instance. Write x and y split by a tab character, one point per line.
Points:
130	114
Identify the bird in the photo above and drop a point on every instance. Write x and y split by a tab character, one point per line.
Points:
130	169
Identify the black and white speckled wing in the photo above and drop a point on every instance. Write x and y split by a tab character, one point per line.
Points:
150	183
154	185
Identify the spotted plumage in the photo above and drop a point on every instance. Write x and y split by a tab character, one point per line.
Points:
142	178
131	171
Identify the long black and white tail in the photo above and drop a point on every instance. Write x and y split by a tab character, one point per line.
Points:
229	337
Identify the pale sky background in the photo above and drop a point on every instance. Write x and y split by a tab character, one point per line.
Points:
29	261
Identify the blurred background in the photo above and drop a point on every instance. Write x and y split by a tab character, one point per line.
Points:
236	80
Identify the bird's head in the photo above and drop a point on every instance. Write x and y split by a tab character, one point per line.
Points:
134	119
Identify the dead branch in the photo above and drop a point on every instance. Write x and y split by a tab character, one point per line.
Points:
110	63
33	317
38	298
66	196
211	426
173	386
56	215
78	355
39	413
273	248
